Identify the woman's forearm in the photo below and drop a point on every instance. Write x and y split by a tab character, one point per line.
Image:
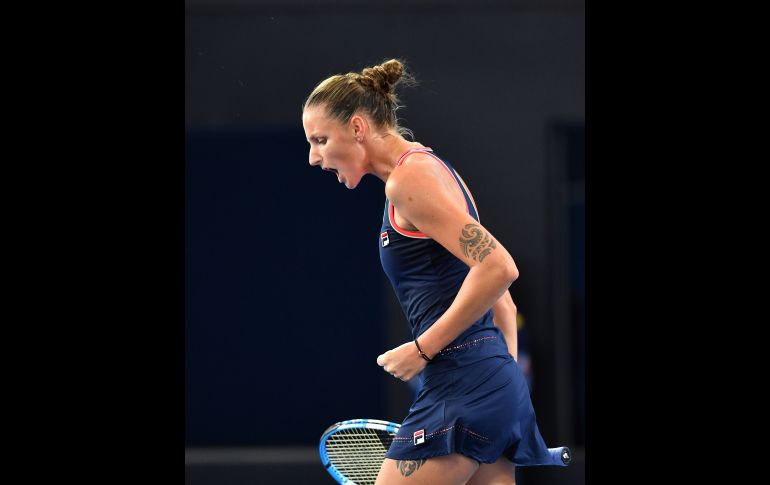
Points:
505	319
482	287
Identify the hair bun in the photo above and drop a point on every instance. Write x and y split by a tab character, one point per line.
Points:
383	77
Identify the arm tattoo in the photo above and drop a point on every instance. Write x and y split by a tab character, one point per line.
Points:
407	467
475	243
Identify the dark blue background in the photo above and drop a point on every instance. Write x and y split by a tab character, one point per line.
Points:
284	322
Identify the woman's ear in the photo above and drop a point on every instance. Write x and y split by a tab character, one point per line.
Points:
358	125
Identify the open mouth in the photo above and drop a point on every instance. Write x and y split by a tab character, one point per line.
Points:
335	172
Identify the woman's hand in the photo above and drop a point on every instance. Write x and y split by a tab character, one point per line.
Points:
403	362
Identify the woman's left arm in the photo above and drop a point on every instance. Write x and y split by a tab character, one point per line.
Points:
505	319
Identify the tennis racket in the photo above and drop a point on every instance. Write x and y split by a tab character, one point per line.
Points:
353	451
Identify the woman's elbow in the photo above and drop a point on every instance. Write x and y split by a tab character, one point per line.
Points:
508	273
512	272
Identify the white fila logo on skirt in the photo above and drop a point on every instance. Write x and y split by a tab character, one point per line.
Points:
419	437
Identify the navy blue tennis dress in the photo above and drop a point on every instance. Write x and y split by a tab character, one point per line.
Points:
474	399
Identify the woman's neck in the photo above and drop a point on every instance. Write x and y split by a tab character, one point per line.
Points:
385	151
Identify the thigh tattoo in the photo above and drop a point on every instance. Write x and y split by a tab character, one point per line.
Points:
407	467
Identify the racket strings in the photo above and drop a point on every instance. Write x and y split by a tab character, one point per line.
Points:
358	453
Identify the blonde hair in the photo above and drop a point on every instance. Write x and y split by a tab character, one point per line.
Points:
371	91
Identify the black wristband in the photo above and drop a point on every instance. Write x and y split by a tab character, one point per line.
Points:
422	354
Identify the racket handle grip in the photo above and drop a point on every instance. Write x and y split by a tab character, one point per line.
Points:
560	456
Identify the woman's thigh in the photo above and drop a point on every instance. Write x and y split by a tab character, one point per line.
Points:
501	472
454	469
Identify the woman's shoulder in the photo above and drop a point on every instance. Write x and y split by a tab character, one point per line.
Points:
419	172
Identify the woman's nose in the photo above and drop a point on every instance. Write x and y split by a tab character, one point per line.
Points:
313	158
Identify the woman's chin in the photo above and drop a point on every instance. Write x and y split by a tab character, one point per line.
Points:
351	184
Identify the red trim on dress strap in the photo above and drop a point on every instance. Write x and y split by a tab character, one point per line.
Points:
411	150
405	232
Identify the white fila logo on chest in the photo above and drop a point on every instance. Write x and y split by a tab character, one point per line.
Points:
384	237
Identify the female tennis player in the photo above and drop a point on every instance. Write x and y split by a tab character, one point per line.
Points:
473	419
